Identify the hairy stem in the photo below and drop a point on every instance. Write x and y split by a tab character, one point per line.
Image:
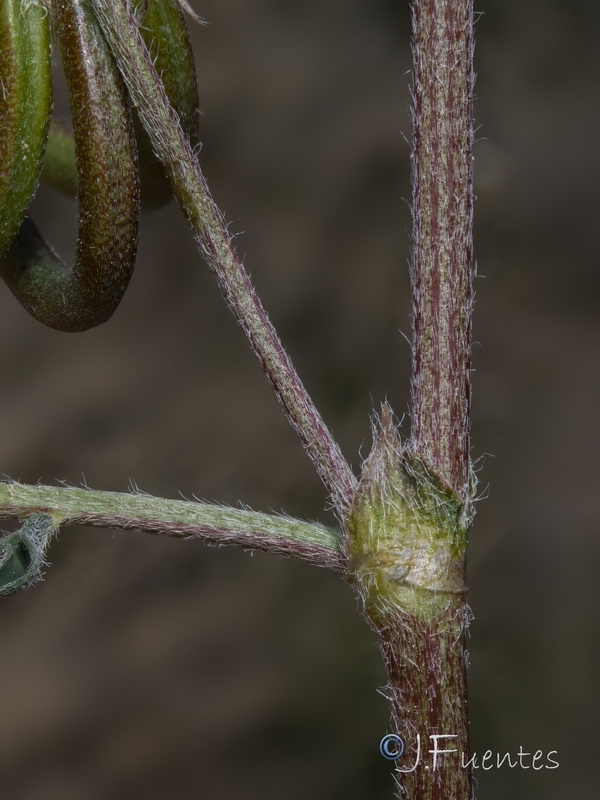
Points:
426	652
210	231
408	539
410	516
308	541
428	691
442	236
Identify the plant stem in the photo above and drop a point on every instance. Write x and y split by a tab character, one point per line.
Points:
308	541
428	690
427	659
442	236
408	538
410	517
210	231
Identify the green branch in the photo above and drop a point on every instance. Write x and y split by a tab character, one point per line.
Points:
308	541
46	508
189	186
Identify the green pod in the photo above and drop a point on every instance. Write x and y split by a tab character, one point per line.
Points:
25	108
164	31
166	36
86	295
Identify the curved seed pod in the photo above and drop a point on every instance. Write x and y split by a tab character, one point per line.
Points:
165	33
86	295
25	107
163	28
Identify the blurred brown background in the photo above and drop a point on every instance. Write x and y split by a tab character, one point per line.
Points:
155	669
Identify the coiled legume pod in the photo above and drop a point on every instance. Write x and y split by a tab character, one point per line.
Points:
87	294
163	28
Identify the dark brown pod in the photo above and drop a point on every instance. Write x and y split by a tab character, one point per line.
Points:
87	294
164	31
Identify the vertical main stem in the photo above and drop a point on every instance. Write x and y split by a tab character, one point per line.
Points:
426	657
408	535
442	236
428	692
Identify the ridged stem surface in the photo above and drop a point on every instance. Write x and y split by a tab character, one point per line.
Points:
442	236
